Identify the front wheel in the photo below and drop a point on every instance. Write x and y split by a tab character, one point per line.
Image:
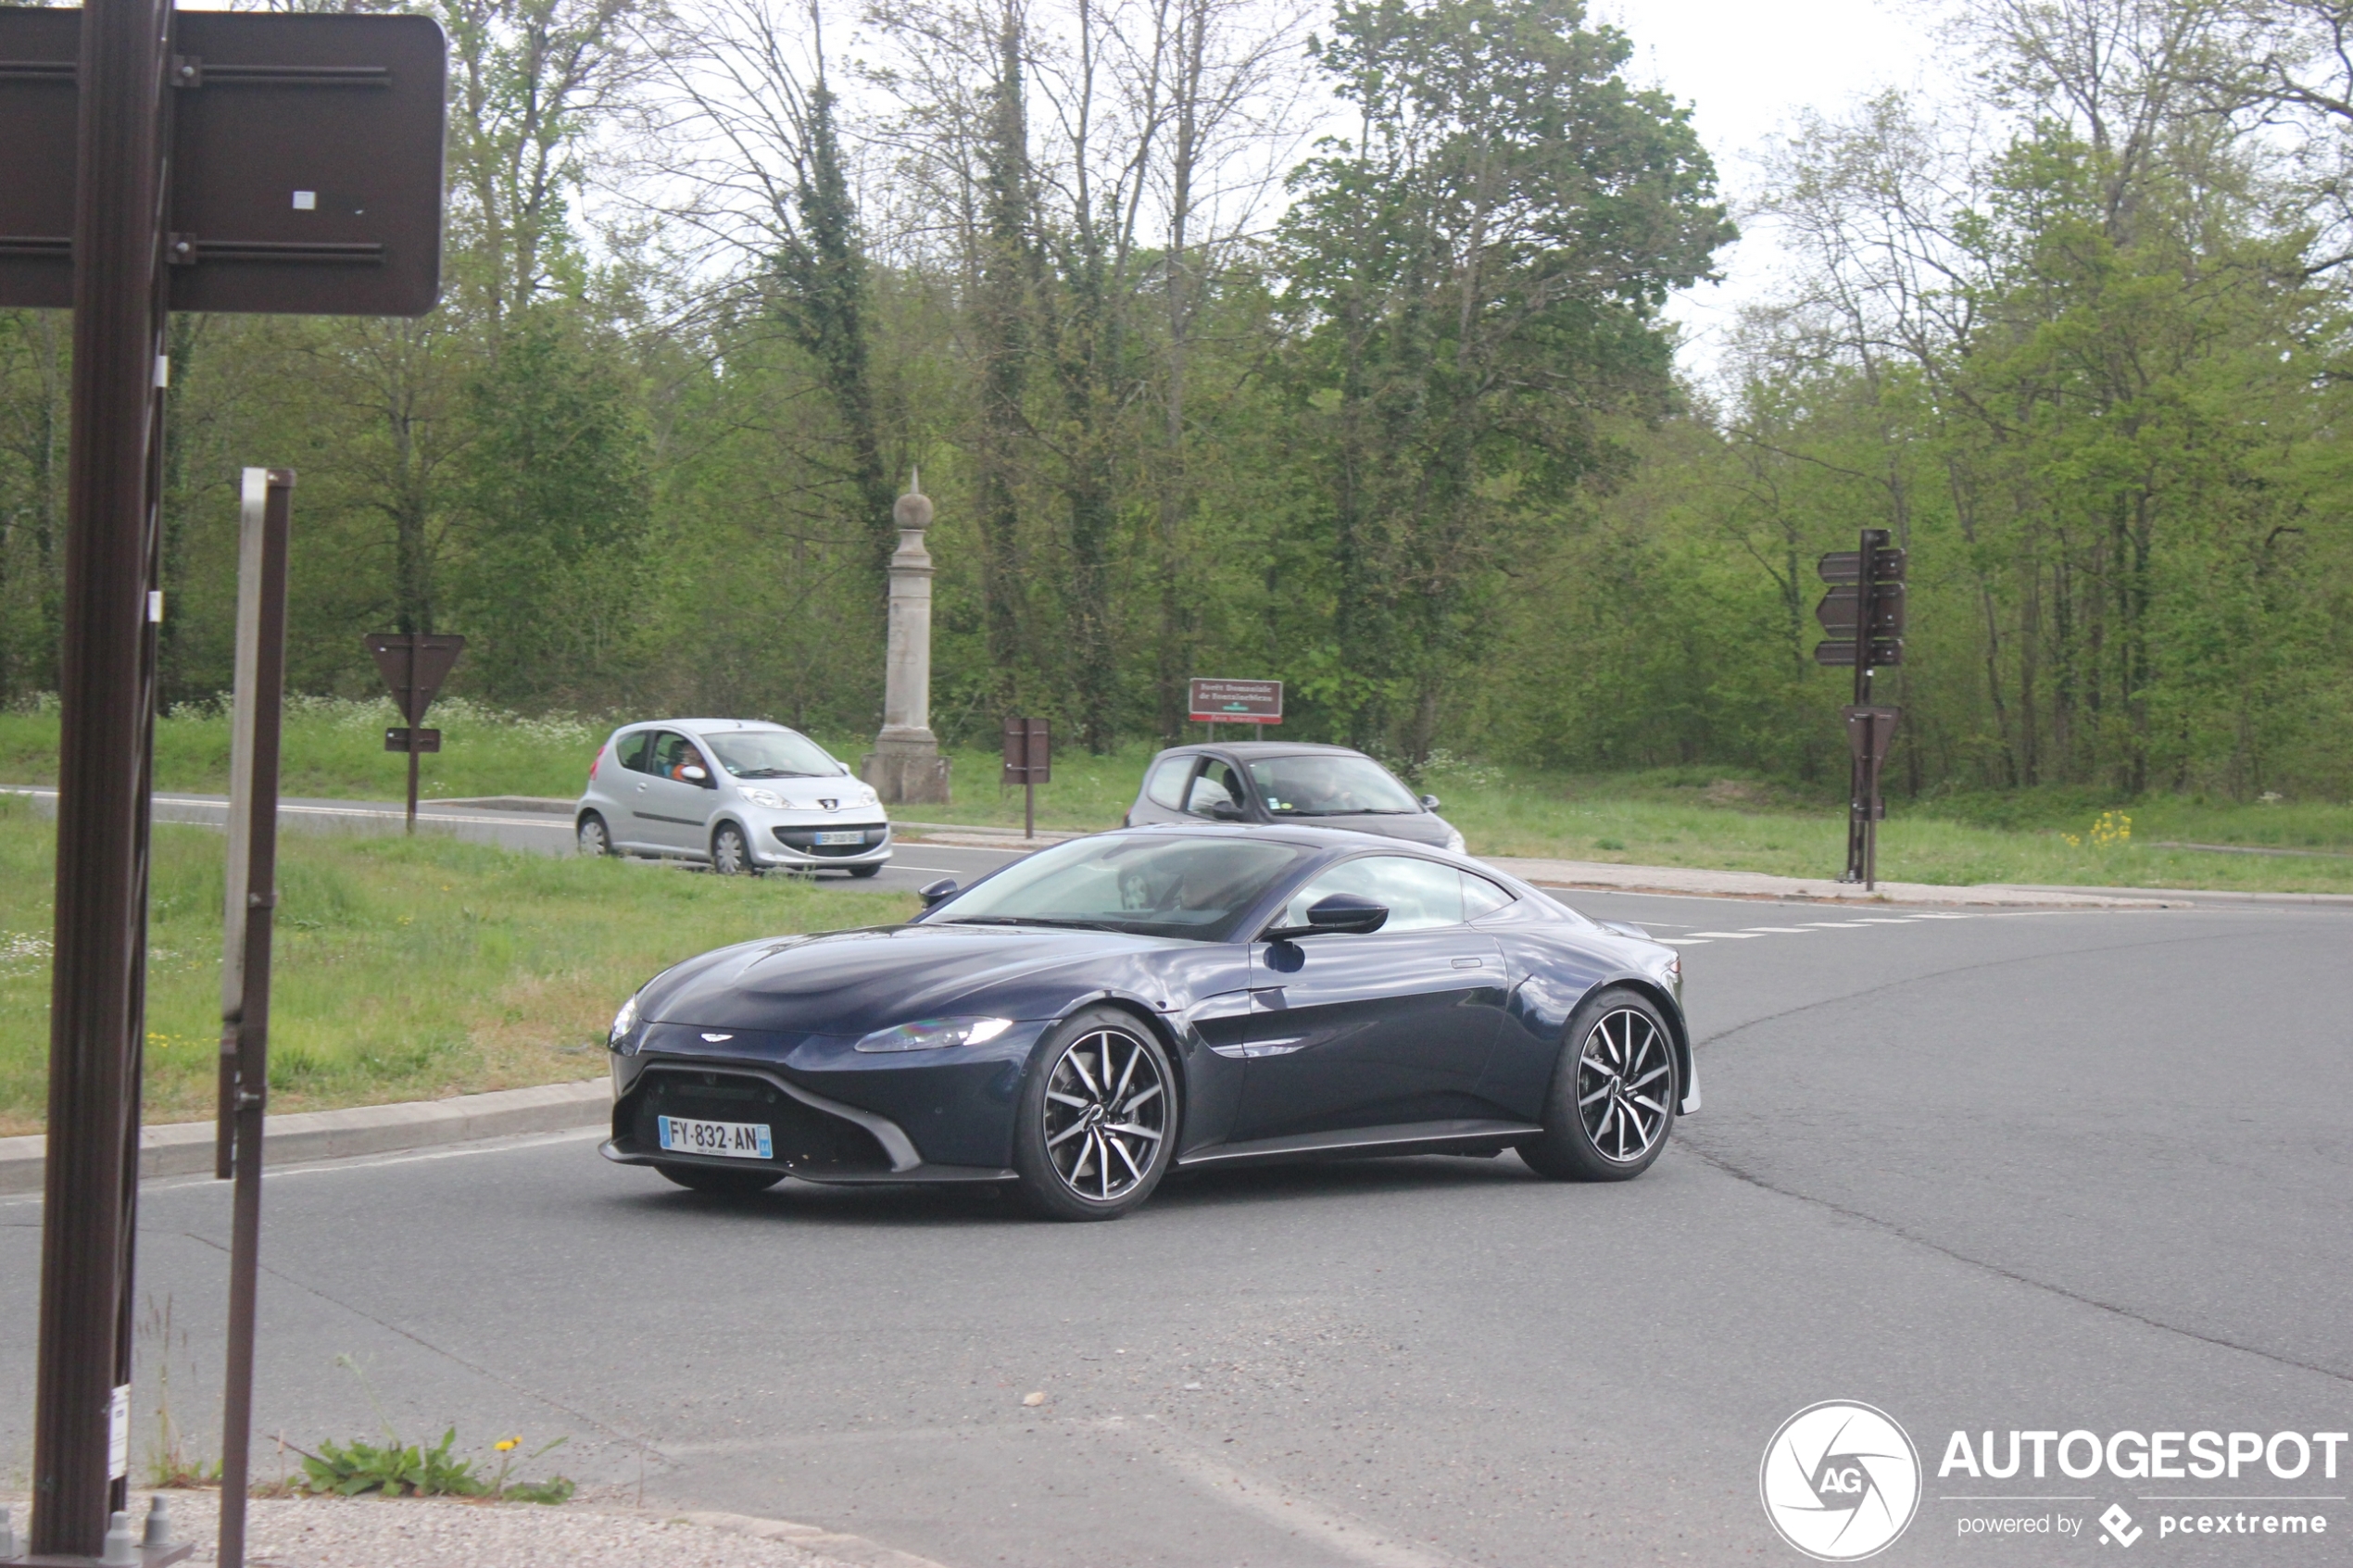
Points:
720	1182
1098	1120
594	842
1614	1093
730	856
862	871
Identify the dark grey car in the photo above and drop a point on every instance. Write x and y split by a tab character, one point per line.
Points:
1287	782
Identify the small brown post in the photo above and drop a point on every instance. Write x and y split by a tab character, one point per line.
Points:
1029	759
254	890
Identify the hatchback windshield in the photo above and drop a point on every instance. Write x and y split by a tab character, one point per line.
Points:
1314	785
772	754
1155	886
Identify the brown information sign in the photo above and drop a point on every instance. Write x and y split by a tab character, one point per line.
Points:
306	168
1030	752
400	738
1237	702
414	666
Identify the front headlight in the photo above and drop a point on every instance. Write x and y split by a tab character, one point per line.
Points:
1455	840
624	1023
767	798
934	1034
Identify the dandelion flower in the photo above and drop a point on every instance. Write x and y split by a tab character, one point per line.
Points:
507	1444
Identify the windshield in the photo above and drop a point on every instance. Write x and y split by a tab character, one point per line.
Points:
1325	785
772	754
1191	888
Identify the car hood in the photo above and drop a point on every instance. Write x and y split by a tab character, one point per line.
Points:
854	981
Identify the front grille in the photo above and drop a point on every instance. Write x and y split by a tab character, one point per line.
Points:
805	1138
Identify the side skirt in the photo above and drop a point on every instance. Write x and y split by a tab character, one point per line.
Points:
1430	1138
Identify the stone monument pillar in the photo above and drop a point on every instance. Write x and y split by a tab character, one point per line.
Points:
905	766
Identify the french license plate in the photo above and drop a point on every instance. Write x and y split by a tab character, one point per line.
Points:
736	1140
842	838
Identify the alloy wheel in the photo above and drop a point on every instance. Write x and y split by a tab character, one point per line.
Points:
1106	1113
593	841
1624	1075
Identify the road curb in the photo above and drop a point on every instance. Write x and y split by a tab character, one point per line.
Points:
185	1148
1609	877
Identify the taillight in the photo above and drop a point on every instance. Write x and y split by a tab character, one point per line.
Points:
592	766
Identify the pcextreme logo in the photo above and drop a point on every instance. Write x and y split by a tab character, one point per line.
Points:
1840	1481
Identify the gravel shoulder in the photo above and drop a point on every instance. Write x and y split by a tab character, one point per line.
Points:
374	1532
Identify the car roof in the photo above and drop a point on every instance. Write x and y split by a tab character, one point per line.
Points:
1247	748
703	724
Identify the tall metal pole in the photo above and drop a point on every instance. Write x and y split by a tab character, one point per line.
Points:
415	716
85	1240
260	706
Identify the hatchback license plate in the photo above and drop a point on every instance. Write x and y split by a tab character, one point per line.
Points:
736	1140
842	838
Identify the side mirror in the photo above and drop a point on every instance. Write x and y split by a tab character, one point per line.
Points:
933	892
693	774
1429	803
1349	914
1224	812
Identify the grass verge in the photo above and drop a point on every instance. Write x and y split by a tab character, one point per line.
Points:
405	968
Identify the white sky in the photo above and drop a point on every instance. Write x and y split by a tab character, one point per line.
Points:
1746	69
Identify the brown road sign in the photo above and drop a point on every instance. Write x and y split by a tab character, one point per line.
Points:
1846	566
414	667
1840	606
1237	702
1030	752
1886	652
1869	730
402	739
306	168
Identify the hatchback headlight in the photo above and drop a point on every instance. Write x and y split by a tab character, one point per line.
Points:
767	798
934	1034
624	1024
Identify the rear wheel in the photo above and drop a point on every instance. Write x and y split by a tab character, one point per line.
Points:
1098	1120
1614	1093
719	1182
730	856
594	842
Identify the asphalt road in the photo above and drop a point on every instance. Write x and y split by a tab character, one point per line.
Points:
1994	1171
911	866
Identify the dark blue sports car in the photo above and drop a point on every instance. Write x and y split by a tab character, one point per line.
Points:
1080	1021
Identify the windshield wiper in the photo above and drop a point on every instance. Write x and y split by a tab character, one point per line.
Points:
1036	920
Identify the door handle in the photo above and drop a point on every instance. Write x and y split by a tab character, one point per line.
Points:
641	789
1468	963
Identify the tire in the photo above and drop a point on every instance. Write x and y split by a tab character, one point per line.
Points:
1614	1093
595	839
1075	1160
730	853
861	872
719	1182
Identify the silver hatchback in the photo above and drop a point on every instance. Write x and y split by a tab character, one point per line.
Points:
737	795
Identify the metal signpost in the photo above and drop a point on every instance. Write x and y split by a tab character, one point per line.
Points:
158	162
1214	702
1863	615
245	951
413	664
1029	761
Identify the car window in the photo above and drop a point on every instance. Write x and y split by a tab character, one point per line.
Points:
633	749
1218	785
1482	896
1330	785
1183	886
773	754
1166	785
1421	895
671	752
